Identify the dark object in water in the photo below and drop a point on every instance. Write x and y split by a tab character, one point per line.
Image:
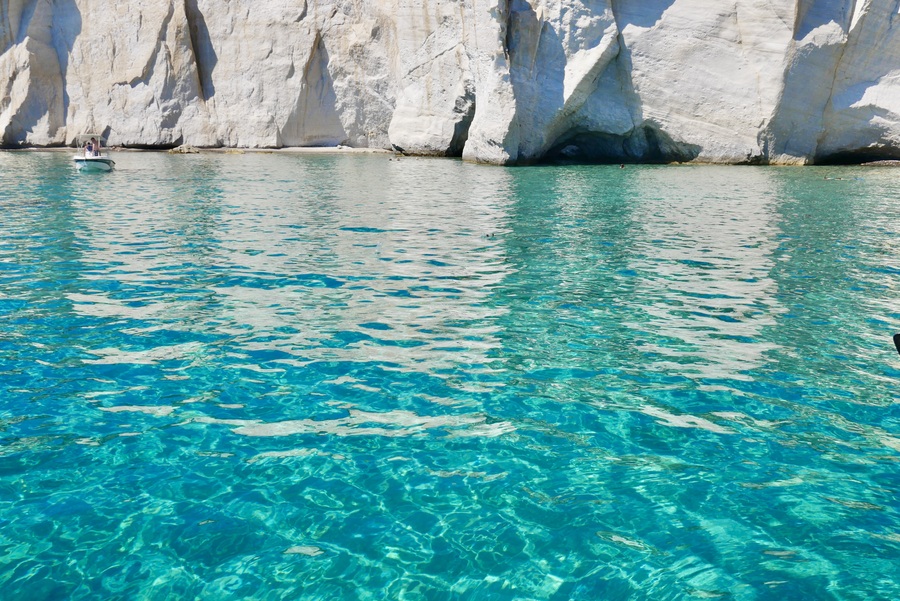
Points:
897	342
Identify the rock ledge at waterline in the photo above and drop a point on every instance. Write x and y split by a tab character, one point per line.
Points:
495	81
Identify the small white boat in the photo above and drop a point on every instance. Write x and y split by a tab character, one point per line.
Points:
90	155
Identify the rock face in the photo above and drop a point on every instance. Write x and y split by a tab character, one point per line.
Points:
496	81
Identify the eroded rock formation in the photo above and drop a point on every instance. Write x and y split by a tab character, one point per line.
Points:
497	81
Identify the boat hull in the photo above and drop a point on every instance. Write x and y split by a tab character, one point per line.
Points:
94	164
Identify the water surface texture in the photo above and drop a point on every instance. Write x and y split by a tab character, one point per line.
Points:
275	376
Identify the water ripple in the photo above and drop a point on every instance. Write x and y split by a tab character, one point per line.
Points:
340	376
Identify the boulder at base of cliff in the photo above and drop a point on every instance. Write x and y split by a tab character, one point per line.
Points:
184	149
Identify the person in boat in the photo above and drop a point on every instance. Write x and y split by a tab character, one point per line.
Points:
94	147
89	148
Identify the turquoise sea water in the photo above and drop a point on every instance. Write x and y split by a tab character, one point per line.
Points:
348	377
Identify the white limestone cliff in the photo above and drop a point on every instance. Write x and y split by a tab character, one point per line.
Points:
496	81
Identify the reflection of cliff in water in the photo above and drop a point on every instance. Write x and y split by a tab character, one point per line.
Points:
571	231
648	271
703	265
322	257
830	279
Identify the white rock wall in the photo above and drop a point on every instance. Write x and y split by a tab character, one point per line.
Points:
435	99
32	94
863	109
497	81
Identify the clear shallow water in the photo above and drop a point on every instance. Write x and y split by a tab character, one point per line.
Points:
348	377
